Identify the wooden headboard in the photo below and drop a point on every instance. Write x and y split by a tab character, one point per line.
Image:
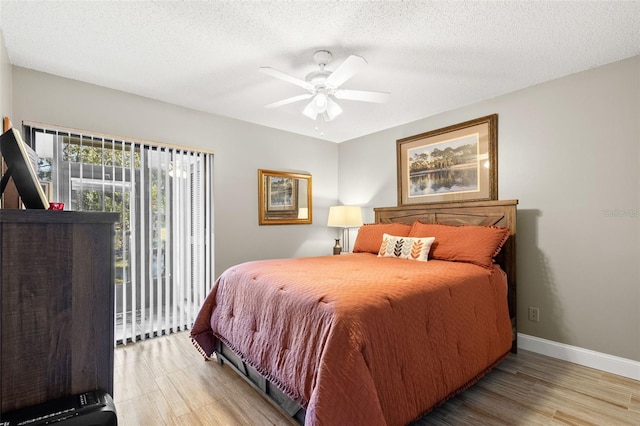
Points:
485	213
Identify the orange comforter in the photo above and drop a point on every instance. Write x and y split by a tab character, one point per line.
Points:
357	339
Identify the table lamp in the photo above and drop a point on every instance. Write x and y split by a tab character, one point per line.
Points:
345	217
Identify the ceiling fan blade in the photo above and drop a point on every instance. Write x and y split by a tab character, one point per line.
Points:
346	70
289	100
286	77
362	95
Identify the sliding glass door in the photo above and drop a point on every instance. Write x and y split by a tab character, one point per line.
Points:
164	238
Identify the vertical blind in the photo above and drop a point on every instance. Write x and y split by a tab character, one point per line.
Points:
164	238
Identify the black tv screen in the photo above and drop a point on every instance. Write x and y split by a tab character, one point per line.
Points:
21	168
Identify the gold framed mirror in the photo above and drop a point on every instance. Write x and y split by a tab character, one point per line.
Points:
284	198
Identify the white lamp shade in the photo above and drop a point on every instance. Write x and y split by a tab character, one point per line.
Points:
333	109
345	216
320	101
310	111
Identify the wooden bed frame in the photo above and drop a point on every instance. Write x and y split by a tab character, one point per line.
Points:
485	213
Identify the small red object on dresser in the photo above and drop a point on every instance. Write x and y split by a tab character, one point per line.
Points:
56	206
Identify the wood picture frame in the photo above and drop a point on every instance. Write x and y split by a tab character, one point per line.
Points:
451	164
21	163
47	188
284	198
10	198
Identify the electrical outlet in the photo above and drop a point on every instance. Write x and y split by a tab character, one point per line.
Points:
534	314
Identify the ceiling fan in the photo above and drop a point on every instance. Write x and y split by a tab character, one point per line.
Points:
324	87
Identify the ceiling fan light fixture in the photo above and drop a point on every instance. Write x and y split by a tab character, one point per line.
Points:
330	111
320	101
333	109
310	110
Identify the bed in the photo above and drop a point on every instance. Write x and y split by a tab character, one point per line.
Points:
370	339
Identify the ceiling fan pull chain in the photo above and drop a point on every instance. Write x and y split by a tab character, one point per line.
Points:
319	125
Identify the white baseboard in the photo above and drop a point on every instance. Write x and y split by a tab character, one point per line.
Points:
588	358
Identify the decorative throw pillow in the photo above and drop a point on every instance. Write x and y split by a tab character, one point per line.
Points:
467	243
370	235
405	247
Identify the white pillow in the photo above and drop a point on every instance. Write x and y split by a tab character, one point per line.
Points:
406	247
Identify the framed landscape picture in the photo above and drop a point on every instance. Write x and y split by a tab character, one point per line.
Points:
282	194
455	163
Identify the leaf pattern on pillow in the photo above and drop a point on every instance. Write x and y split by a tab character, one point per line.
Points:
397	250
383	247
416	249
406	249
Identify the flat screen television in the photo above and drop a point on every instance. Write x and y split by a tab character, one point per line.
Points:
20	160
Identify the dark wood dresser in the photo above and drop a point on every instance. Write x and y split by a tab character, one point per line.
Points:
57	301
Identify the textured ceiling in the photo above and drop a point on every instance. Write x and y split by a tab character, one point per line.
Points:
205	55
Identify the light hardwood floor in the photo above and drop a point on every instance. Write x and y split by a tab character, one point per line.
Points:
165	381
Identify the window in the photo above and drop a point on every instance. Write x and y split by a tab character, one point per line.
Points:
164	238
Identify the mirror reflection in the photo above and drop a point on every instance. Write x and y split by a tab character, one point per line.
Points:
284	198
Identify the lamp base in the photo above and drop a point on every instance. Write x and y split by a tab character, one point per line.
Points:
345	240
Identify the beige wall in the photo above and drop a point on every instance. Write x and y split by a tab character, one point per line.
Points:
6	81
240	150
569	151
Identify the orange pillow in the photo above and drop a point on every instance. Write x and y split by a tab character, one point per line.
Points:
369	237
467	243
